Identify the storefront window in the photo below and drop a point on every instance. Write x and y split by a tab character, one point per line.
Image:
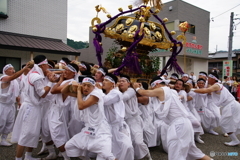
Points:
191	28
3	9
170	26
16	62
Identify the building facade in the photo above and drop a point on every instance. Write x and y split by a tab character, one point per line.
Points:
32	27
217	62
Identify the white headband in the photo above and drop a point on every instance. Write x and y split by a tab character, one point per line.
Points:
71	68
154	83
212	76
50	65
202	74
43	62
201	81
125	79
6	67
185	75
61	61
90	80
102	71
174	77
110	79
83	65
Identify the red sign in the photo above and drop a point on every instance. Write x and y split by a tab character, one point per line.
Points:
195	46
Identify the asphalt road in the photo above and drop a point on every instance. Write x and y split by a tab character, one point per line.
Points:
213	144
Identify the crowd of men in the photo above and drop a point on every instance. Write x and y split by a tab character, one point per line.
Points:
98	114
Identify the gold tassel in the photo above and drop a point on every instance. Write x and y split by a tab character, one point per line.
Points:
99	8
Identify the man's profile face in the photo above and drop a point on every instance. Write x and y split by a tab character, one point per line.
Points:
98	75
68	74
87	88
123	84
107	84
178	85
185	78
10	71
201	84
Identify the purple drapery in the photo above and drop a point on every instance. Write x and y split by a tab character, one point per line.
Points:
131	59
100	29
172	62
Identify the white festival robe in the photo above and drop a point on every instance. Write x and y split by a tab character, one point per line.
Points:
59	118
114	109
196	124
75	125
149	130
26	130
22	86
134	121
180	134
46	105
215	110
191	105
96	136
158	123
230	119
8	97
207	116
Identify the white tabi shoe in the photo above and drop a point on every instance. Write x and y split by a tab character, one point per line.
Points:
232	143
197	139
213	132
225	135
5	143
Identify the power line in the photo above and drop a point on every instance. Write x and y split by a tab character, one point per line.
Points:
224	12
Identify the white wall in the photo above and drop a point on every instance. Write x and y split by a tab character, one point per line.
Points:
26	55
193	65
44	18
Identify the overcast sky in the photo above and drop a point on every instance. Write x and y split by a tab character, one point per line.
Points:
81	12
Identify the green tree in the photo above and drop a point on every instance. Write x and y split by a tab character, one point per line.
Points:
77	44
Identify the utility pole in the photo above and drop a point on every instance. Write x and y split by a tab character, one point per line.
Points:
230	37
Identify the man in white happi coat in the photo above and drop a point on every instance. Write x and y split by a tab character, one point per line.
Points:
193	77
96	136
26	130
9	91
46	105
198	130
180	135
22	85
160	126
208	111
230	119
115	112
204	76
59	116
99	75
148	115
132	117
211	105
